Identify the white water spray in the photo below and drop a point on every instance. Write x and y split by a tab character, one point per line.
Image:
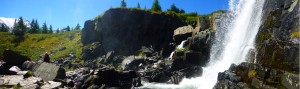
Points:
234	39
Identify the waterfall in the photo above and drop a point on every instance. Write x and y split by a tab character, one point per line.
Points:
234	39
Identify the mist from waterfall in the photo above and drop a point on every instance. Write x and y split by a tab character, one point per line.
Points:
234	39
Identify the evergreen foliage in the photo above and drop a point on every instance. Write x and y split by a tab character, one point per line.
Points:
68	28
156	7
77	27
44	28
123	4
19	28
50	29
138	6
4	28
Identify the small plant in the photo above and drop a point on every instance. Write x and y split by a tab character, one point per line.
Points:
295	34
251	73
18	86
141	53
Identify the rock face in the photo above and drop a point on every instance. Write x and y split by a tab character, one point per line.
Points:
277	46
125	31
249	75
277	40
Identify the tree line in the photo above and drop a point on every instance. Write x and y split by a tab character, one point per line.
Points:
19	28
155	7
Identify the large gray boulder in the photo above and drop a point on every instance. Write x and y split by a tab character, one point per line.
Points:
182	33
49	72
125	31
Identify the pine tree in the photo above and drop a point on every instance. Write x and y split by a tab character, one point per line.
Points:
36	27
156	7
77	27
19	28
31	30
123	4
45	28
57	30
138	5
174	8
68	28
50	29
181	11
3	28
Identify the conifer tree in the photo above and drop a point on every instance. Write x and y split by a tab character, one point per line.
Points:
123	4
57	30
77	27
68	28
138	5
156	7
3	28
50	29
45	28
19	28
36	27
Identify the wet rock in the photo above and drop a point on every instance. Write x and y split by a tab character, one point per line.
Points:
160	77
290	81
196	58
256	83
201	42
113	78
229	76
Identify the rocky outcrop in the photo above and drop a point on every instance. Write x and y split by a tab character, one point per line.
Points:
277	60
276	41
182	33
13	58
249	75
125	31
104	77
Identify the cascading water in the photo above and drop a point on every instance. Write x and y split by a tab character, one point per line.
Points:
234	39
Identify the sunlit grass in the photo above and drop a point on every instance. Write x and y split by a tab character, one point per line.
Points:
35	45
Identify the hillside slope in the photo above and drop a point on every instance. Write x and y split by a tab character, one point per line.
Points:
57	45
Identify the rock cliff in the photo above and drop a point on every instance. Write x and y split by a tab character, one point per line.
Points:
277	47
125	31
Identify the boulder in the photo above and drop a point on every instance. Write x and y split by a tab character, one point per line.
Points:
196	58
31	82
182	33
126	33
290	81
201	42
52	85
113	78
13	58
10	80
49	72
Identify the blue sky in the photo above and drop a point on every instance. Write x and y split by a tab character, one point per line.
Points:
61	13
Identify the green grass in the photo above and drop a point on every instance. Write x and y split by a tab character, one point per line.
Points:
35	45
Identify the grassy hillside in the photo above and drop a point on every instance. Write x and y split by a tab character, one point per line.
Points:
58	45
